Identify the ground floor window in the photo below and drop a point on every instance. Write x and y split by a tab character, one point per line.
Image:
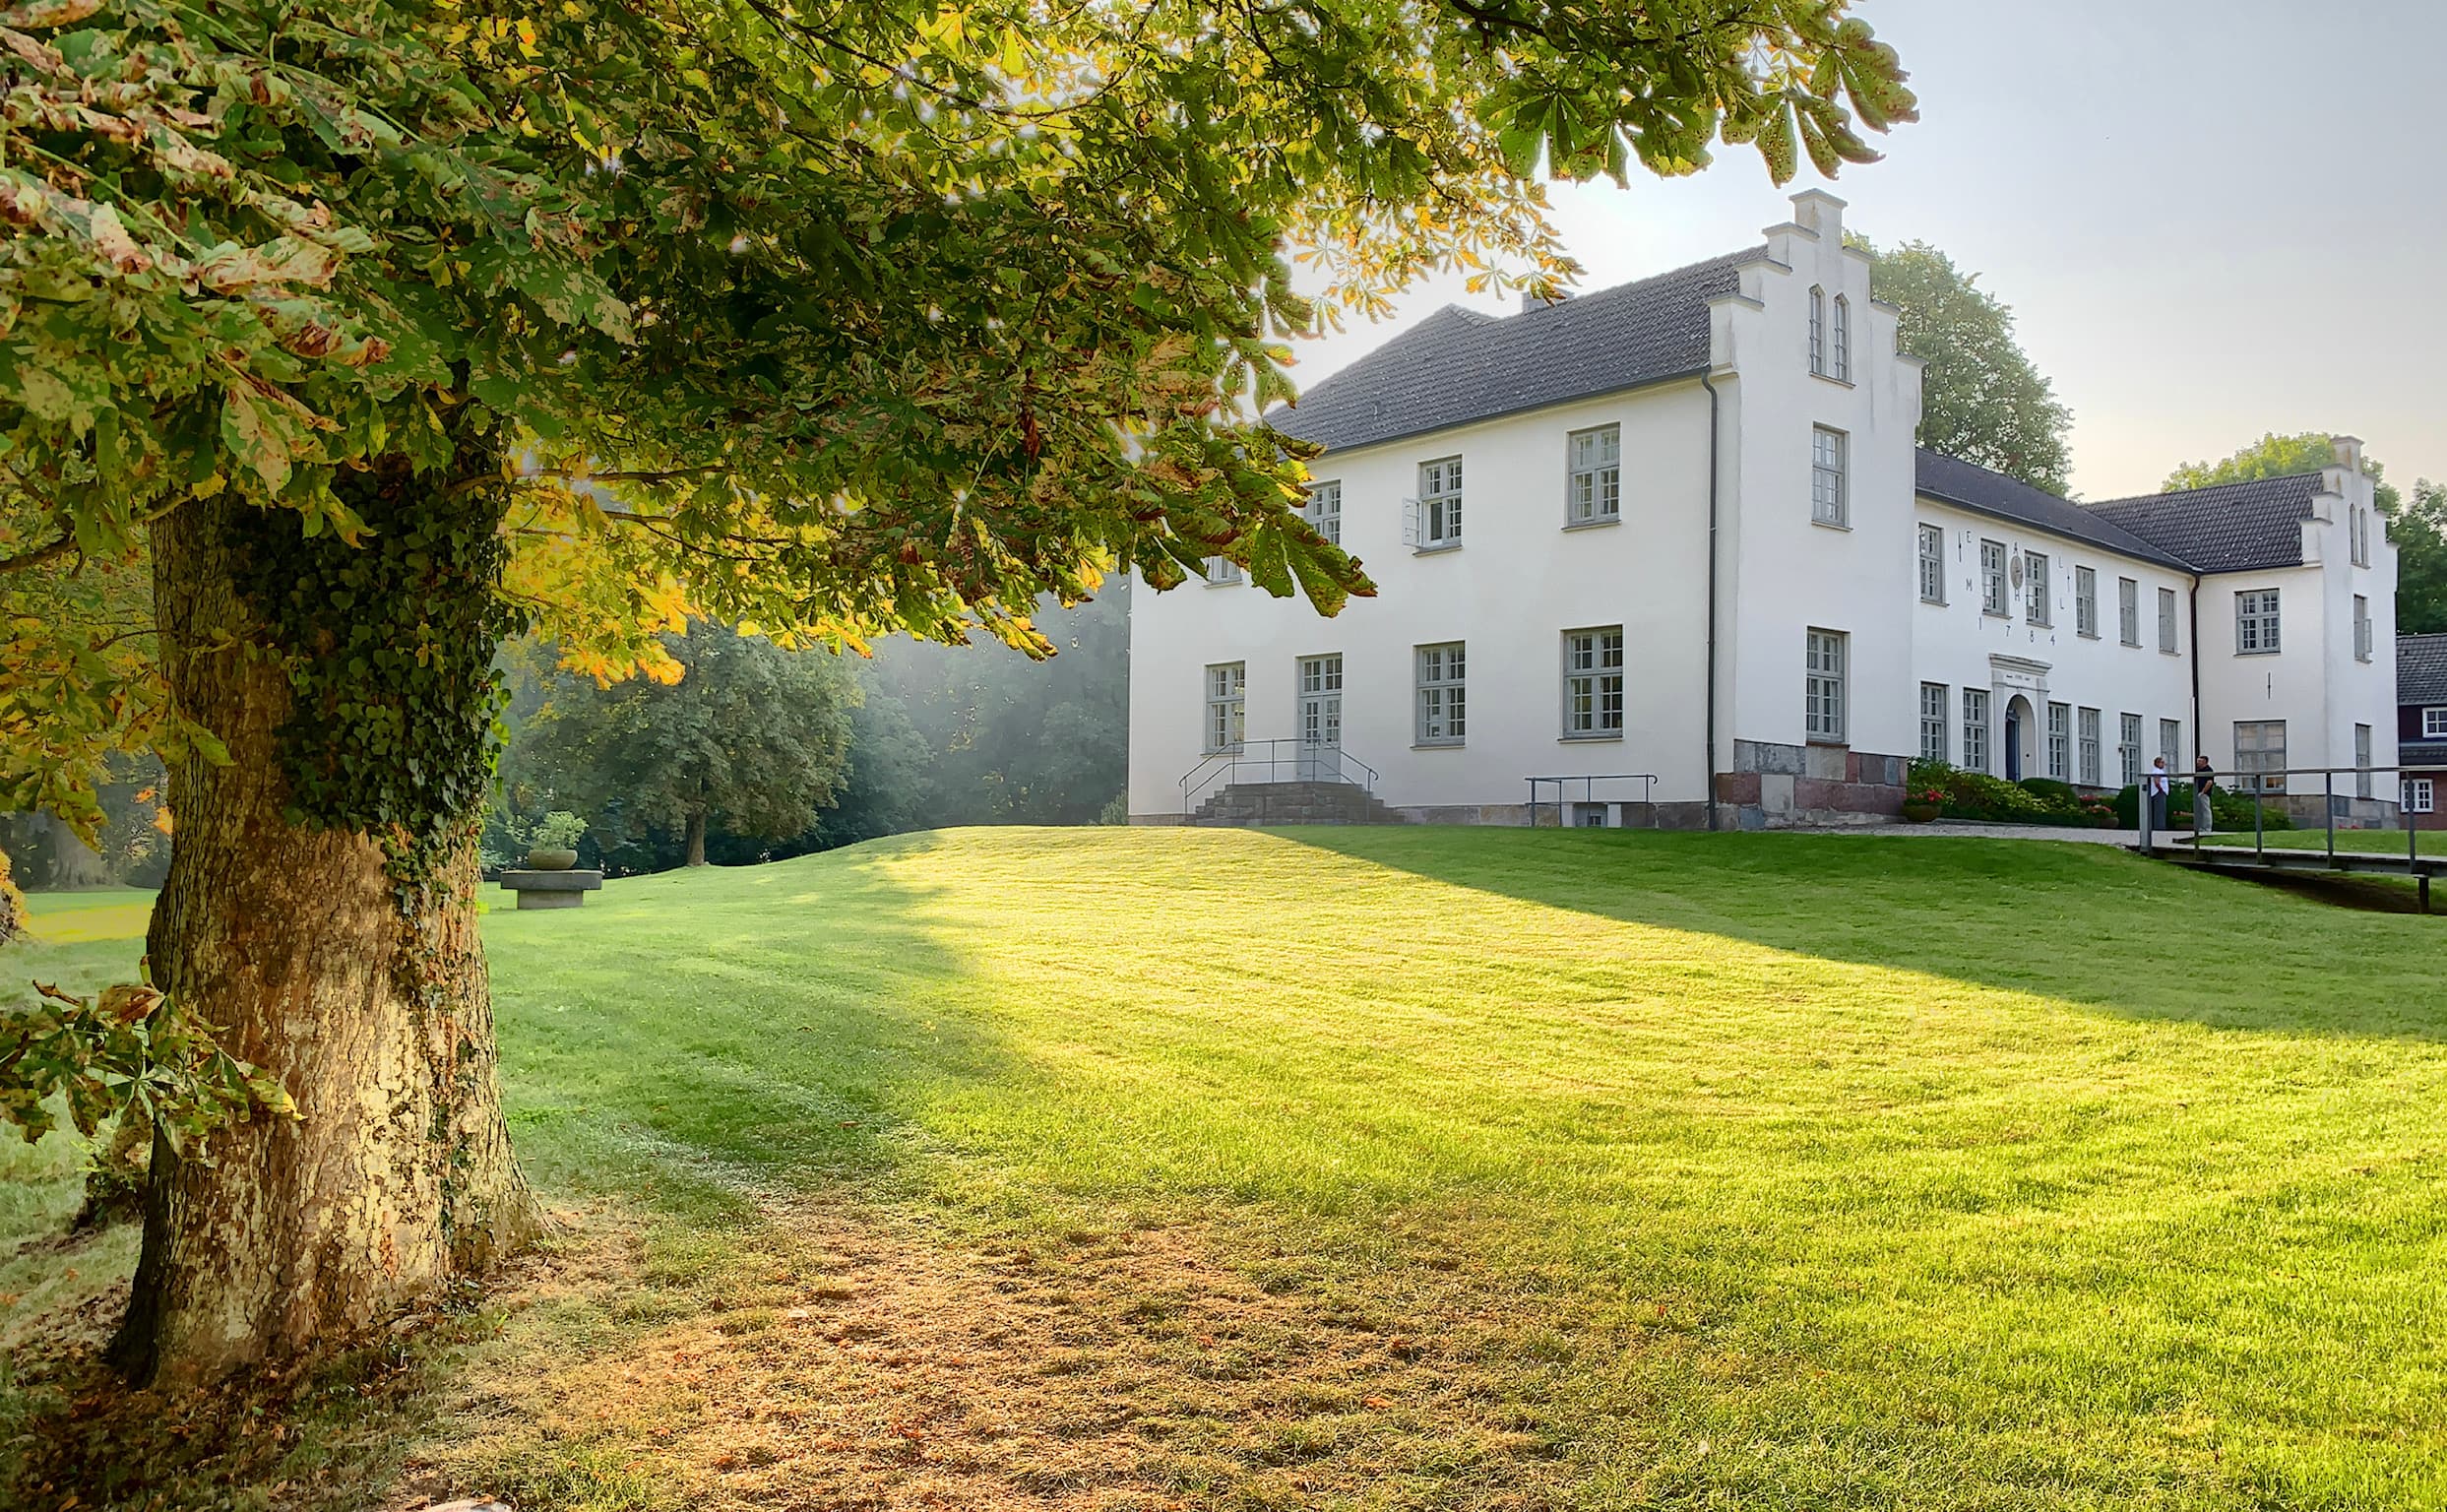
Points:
2060	741
2418	794
1593	681
1591	816
1442	699
1227	685
2170	745
1822	715
1974	729
2090	747
1934	712
2361	761
2128	748
2260	754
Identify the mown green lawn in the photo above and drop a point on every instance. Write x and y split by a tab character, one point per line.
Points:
1441	1168
2379	842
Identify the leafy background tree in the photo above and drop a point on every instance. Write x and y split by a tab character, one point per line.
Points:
752	738
2418	527
388	329
1981	400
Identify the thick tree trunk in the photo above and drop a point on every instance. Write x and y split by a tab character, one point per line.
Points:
696	838
374	1013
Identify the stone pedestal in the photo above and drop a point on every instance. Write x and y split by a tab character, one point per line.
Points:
551	889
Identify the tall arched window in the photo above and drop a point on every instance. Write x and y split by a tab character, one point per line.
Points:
1818	329
1844	338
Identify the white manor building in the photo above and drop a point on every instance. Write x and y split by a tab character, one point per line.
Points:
1676	537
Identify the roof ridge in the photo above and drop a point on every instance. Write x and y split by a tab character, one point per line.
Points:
2177	493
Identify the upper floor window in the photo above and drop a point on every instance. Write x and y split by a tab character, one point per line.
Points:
1818	329
1324	510
2034	584
1932	564
1993	596
1439	509
2362	628
2086	601
2255	622
1822	695
1828	502
1593	681
2434	724
2360	536
1844	338
1222	569
1442	710
2166	620
1227	686
2128	611
1595	491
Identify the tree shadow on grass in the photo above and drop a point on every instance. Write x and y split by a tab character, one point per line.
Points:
2089	924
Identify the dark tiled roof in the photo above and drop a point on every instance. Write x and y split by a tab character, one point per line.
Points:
2231	528
1975	488
1458	366
2422	668
2423	755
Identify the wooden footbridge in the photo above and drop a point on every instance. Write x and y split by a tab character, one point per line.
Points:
2179	844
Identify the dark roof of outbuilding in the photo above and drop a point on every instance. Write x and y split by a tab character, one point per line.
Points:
1968	486
2422	668
2230	528
1460	366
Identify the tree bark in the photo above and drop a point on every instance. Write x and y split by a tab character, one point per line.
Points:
370	1003
696	838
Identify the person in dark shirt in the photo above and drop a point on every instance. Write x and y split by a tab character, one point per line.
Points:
2203	780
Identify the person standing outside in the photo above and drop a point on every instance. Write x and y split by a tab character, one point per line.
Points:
2204	781
2154	792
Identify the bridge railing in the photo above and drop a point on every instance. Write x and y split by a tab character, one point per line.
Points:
1306	761
2255	785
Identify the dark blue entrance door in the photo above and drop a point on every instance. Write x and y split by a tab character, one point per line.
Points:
2013	746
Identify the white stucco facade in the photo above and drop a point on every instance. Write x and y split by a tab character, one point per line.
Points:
1731	517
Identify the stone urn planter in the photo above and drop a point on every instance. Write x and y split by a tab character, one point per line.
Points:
1919	813
546	858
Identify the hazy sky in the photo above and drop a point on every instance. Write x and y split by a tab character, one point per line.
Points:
2210	218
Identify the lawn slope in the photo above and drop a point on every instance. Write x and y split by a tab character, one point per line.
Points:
1461	1168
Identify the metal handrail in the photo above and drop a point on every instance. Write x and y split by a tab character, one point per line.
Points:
1225	766
2254	782
1589	781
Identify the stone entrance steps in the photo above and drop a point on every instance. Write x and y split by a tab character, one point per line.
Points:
1244	804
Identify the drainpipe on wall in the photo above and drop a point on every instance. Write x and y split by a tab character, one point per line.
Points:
2193	602
1709	776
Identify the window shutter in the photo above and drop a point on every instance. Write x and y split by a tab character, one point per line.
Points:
1411	512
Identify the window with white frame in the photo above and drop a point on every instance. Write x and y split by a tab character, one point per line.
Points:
2434	724
2166	620
1592	682
2255	622
2128	611
1324	510
2036	607
2088	732
1442	700
1226	723
1828	502
2060	741
1818	329
1844	338
2086	601
2361	761
1222	569
1974	729
2260	754
1934	709
1595	491
1994	597
2128	748
2360	536
1932	564
2362	627
1439	504
1822	716
2418	794
2171	743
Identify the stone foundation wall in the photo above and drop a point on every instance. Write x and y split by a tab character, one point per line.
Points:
1777	787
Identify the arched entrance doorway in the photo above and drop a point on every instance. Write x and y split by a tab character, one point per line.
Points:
2021	730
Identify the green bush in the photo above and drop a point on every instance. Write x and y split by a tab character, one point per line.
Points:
558	829
2056	794
2228	811
1977	796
